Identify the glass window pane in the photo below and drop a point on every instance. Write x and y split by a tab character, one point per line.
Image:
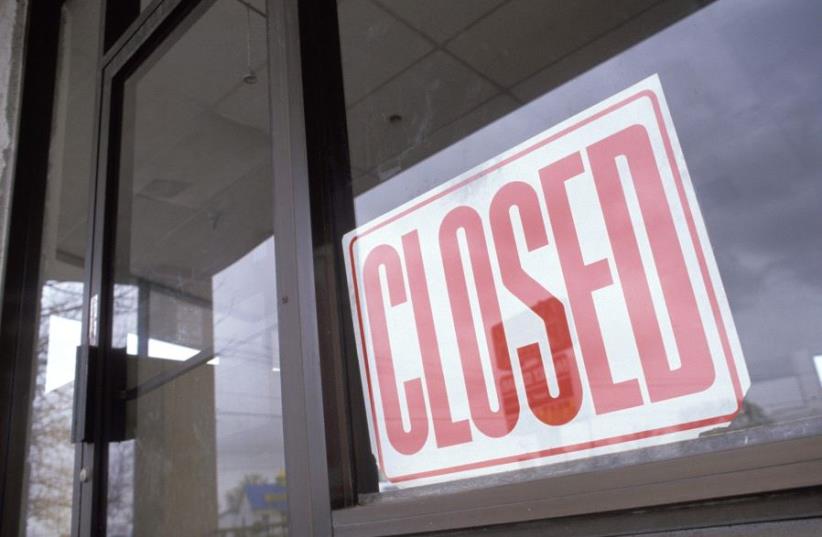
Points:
475	330
50	473
195	317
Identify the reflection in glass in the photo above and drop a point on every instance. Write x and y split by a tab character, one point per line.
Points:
195	318
47	496
448	89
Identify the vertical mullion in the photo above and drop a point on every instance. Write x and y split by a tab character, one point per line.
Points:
308	495
351	465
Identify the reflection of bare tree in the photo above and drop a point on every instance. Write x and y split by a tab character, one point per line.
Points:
50	464
51	454
120	499
120	489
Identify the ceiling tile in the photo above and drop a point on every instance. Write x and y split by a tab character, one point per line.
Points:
259	4
524	36
210	58
433	93
160	122
441	157
211	158
247	104
72	244
451	134
375	47
191	250
463	126
598	50
437	19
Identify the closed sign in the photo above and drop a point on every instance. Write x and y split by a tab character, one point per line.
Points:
559	301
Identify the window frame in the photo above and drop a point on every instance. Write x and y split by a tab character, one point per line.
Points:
696	470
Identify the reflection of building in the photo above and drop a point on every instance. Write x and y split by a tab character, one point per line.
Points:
262	511
545	406
791	395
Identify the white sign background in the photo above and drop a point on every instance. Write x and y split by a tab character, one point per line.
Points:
532	442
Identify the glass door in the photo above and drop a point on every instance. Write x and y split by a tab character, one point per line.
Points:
190	436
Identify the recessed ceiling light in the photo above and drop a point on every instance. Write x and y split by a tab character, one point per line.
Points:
250	77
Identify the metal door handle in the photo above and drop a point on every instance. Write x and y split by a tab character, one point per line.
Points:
82	424
98	388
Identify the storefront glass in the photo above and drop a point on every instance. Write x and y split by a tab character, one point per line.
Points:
437	91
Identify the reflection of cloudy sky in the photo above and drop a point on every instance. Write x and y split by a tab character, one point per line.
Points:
749	116
247	386
744	86
748	110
